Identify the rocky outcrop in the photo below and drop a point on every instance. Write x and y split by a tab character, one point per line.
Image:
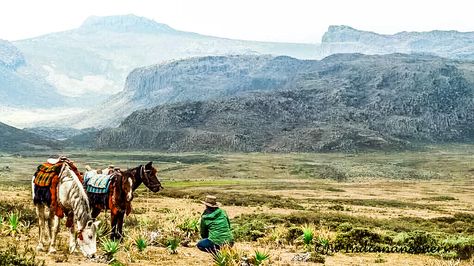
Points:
450	44
10	56
344	102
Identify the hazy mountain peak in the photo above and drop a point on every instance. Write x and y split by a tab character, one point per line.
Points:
10	56
343	33
125	23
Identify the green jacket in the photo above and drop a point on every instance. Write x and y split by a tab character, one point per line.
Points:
216	227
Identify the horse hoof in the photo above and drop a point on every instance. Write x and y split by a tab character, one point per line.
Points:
52	250
40	247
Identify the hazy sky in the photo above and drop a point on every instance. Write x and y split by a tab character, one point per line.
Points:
264	20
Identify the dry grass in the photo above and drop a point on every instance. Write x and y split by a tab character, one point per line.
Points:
382	191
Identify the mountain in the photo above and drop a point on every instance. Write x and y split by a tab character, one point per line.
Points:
14	139
59	133
199	78
450	44
344	102
95	59
20	85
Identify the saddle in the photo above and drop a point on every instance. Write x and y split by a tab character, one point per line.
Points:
45	174
97	183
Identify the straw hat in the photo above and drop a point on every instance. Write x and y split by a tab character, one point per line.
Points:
211	201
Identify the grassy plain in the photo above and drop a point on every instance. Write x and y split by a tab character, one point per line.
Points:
395	197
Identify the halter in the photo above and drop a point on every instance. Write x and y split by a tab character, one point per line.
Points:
79	234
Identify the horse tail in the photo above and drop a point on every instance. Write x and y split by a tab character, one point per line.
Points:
88	168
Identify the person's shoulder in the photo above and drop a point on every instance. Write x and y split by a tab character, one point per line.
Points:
223	211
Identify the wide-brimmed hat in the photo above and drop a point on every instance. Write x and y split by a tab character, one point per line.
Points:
211	201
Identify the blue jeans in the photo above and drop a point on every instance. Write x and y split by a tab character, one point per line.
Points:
207	245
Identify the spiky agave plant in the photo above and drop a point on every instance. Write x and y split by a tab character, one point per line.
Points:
14	223
141	243
261	256
172	244
110	247
226	256
308	236
103	231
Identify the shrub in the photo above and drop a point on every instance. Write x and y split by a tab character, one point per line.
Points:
463	247
13	257
249	231
293	233
190	227
417	241
344	227
360	237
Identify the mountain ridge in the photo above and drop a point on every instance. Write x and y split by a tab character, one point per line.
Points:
344	102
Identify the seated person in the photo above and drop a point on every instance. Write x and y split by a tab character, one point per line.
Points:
215	227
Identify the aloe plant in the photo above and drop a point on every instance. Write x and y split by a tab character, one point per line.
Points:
103	231
110	247
226	256
261	257
141	243
14	223
308	236
172	244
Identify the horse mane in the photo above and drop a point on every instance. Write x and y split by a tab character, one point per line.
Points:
78	198
137	181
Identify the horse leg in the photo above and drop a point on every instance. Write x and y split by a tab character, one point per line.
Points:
54	233
113	223
41	226
120	217
95	212
72	236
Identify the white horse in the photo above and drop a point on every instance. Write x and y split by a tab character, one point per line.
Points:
73	200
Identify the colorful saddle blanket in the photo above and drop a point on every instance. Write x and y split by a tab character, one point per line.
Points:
97	183
45	174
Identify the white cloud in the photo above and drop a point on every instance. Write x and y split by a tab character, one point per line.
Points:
21	118
77	87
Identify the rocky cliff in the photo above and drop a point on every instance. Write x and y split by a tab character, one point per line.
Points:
344	102
450	44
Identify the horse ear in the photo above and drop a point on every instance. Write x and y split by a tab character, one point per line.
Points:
96	223
148	165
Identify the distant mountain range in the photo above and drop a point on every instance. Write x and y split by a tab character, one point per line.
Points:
14	139
83	67
97	57
20	85
199	78
344	102
98	74
449	44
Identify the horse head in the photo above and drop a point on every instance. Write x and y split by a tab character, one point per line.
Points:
86	238
149	177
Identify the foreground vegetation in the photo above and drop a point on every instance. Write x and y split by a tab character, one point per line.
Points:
286	209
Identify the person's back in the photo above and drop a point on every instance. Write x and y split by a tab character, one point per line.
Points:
215	227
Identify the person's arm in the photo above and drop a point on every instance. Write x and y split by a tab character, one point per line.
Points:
204	230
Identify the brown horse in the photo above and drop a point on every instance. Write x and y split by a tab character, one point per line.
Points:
120	196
